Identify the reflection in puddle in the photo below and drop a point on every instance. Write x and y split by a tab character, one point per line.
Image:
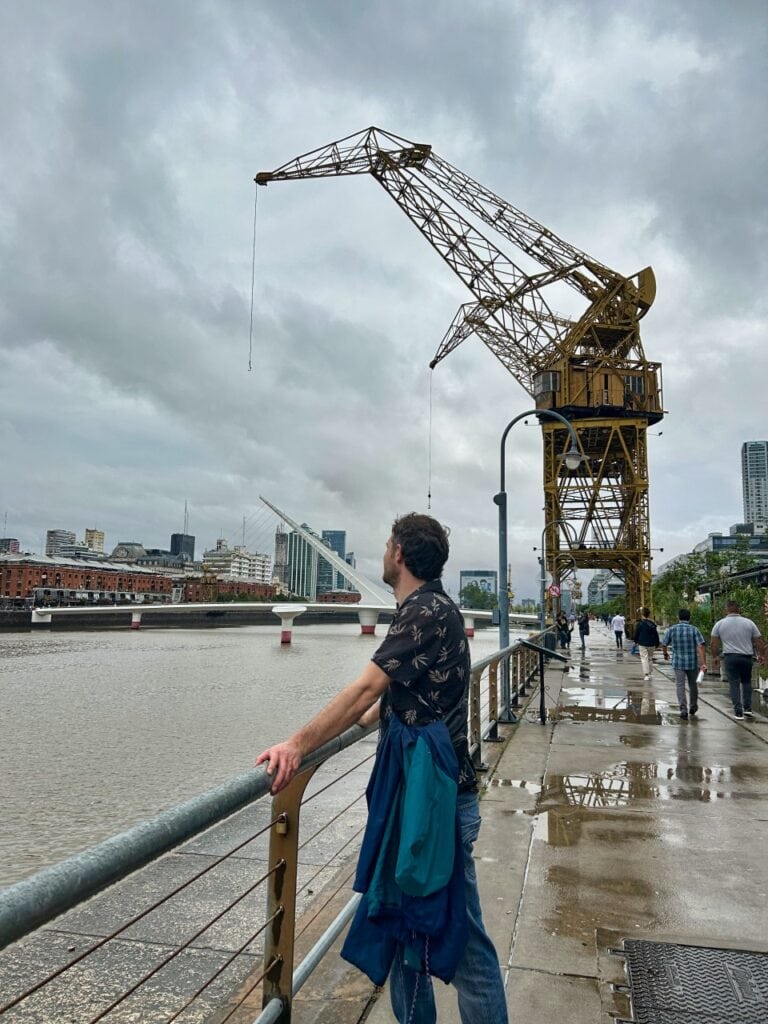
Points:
603	801
638	741
632	780
585	704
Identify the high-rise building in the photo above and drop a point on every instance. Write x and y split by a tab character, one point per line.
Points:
9	546
329	578
302	565
183	544
94	540
754	480
604	587
281	555
55	540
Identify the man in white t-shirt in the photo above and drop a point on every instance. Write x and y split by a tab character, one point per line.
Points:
741	642
618	622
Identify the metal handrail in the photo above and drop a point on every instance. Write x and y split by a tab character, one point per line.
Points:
35	900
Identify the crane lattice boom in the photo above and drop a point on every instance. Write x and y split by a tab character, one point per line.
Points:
591	369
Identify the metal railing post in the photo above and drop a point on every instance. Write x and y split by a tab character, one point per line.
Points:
542	704
475	730
281	899
493	700
522	671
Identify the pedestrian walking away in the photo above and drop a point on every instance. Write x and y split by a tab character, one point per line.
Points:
646	636
741	642
420	915
688	659
583	623
618	622
563	630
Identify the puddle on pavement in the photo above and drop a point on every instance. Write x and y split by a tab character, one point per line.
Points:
588	704
681	779
603	802
638	741
563	825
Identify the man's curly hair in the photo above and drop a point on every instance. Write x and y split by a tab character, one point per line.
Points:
424	543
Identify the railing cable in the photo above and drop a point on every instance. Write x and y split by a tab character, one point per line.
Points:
330	861
321	908
185	945
330	821
338	778
240	949
138	917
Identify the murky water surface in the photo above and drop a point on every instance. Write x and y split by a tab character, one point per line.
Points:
99	730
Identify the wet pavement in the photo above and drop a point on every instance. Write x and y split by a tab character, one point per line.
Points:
617	820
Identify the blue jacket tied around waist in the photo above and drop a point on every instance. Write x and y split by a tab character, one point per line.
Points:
411	868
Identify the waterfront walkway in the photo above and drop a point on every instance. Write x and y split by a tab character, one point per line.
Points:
615	820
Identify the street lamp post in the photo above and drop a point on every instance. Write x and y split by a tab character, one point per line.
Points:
572	460
543	580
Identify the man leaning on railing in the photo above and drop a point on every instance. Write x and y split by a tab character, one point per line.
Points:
420	913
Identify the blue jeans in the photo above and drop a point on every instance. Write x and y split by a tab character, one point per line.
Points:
478	977
689	675
738	672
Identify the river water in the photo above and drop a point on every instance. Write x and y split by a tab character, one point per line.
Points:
99	730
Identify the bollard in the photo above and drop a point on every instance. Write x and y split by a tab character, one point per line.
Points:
368	618
469	625
135	620
287	613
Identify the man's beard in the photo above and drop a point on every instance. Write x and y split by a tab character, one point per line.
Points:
391	575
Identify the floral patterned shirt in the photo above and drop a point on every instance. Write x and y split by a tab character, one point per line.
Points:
426	656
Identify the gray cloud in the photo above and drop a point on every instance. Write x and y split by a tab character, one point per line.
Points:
132	133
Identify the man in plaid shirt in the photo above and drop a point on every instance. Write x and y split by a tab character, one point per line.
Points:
687	644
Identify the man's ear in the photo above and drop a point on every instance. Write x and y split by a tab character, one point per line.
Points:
398	555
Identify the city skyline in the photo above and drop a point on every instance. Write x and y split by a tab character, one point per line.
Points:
754	454
129	373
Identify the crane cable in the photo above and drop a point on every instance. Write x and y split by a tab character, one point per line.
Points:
429	447
253	278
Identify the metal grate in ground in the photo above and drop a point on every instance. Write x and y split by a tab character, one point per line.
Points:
679	984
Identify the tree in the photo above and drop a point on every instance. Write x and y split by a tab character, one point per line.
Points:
677	588
473	596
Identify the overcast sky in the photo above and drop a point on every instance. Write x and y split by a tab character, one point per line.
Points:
131	133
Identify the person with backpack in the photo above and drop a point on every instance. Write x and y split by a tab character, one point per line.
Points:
646	636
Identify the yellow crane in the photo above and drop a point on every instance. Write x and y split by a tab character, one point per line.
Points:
591	367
